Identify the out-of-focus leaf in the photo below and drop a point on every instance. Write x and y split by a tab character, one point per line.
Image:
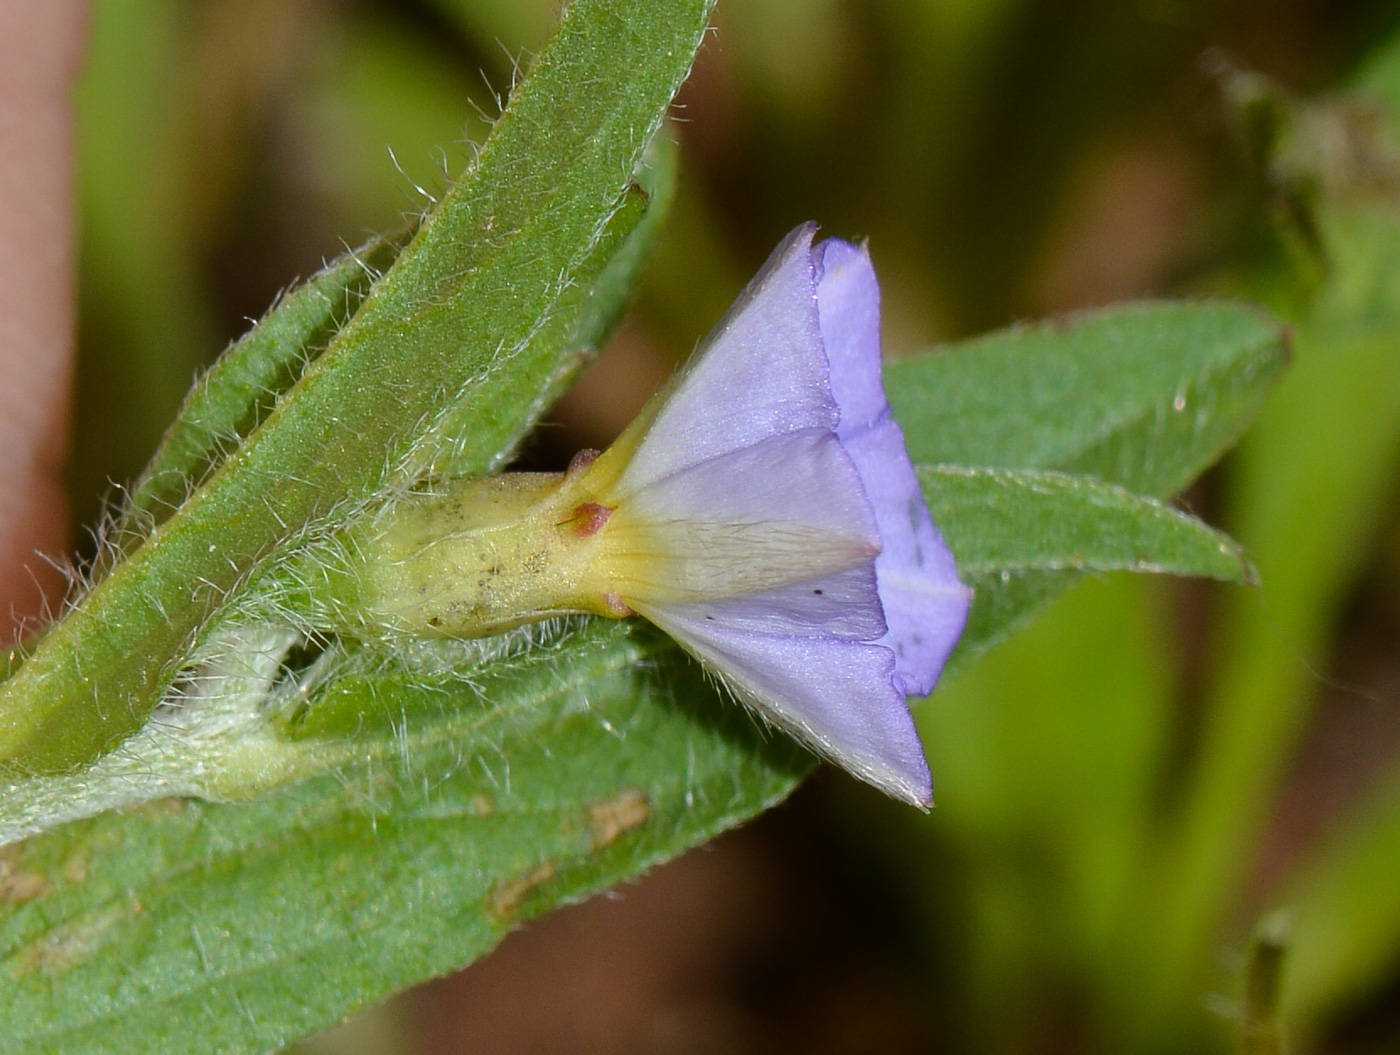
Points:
1346	915
507	24
1308	487
1046	757
461	805
1306	492
1020	534
146	322
381	118
1329	445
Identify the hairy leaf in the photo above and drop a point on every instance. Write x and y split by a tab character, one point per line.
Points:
1145	396
454	320
562	765
1020	536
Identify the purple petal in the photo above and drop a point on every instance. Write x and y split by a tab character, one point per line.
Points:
848	303
748	503
925	603
835	695
761	372
844	604
786	509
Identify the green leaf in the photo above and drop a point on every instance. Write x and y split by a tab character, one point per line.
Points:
586	314
456	319
1019	536
243	386
1145	396
1014	520
567	761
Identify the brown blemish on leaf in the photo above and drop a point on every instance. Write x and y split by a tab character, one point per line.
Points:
612	818
506	898
69	944
607	821
481	806
18	886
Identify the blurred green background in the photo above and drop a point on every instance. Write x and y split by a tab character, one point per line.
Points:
1127	789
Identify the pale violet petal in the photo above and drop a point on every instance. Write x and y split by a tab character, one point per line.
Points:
787	509
757	494
848	303
806	476
925	603
835	695
844	604
761	372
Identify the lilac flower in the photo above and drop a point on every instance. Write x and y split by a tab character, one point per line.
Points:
765	515
761	510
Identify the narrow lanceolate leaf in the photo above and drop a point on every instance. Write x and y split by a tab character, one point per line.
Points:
243	386
455	318
1145	397
563	763
1018	536
480	431
1012	520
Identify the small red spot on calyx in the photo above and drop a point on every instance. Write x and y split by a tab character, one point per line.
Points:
587	519
581	461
